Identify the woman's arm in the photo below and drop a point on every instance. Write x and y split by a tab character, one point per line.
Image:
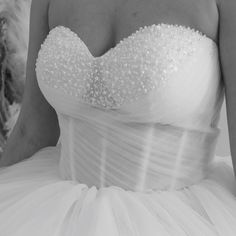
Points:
227	46
37	125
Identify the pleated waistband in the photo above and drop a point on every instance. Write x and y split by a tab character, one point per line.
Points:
136	157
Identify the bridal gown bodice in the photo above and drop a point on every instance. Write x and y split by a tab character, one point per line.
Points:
142	116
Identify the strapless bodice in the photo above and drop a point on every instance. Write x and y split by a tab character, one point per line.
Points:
142	116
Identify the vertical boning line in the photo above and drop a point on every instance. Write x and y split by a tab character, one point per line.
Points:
177	166
147	148
71	147
103	158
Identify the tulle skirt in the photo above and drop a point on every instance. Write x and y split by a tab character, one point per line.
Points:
36	201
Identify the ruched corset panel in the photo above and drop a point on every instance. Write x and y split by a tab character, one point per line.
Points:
142	116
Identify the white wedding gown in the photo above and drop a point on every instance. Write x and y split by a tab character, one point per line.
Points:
138	131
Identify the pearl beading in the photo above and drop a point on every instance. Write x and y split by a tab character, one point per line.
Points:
138	64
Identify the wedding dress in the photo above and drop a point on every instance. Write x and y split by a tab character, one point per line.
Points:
138	132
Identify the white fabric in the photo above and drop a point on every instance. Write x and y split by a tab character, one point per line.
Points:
137	145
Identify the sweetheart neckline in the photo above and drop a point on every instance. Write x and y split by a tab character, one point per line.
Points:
133	34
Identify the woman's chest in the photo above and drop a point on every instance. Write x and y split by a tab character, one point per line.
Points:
103	24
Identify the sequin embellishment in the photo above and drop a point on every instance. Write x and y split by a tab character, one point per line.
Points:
137	65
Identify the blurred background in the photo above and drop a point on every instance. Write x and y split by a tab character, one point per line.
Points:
14	30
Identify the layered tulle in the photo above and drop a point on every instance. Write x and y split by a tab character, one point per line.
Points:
35	200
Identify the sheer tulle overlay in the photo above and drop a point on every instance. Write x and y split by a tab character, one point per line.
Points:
136	154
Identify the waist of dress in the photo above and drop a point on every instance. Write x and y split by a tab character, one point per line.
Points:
161	158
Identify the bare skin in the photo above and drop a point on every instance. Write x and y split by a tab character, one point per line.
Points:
101	25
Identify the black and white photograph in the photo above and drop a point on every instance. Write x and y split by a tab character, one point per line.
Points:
117	118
